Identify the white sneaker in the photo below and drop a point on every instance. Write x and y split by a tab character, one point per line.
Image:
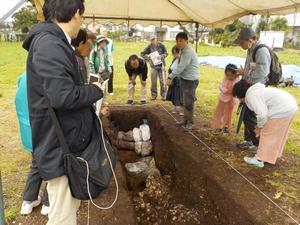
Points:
45	210
254	161
27	206
111	93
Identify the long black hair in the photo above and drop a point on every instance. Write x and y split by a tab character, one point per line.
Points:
240	88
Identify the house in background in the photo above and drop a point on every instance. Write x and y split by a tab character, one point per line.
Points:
273	39
164	33
292	36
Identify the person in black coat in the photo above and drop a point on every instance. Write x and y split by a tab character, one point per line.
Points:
53	77
173	93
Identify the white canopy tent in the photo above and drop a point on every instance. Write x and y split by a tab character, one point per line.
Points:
169	12
208	13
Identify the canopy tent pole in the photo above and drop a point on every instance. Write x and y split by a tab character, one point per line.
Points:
128	25
2	222
197	36
294	40
94	23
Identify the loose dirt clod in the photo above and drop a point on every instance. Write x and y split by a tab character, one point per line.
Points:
155	204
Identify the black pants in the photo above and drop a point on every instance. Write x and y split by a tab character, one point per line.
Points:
250	123
111	80
33	185
188	98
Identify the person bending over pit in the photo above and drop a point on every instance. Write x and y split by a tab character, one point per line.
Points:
136	66
275	110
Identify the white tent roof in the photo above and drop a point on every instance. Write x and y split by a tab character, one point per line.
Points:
169	12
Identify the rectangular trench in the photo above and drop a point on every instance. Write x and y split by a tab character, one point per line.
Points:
199	179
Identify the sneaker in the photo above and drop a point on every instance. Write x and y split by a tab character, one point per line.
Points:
253	148
254	161
111	93
129	102
153	98
181	123
28	206
143	102
181	113
188	127
225	130
45	210
244	144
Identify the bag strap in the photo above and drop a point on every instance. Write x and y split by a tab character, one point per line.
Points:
57	127
256	49
58	130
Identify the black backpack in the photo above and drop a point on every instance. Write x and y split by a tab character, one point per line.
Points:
275	75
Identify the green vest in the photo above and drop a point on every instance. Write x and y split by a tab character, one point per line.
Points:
95	60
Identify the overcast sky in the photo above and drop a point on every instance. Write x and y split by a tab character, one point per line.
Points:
6	5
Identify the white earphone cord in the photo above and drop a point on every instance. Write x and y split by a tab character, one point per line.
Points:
87	179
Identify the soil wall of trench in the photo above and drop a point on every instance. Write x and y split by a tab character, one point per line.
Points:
197	173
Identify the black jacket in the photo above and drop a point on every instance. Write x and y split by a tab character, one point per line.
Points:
141	70
52	71
82	67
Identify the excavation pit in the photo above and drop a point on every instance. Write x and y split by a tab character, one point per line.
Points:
194	181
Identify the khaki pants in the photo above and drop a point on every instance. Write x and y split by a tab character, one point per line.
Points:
131	88
63	206
161	75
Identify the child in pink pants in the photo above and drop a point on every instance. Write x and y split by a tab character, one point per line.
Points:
222	119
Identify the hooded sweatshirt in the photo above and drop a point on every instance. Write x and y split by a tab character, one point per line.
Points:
269	103
53	76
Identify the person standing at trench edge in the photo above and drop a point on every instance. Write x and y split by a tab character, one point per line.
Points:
158	66
254	72
187	72
54	80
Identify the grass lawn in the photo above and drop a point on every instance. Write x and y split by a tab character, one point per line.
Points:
15	162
